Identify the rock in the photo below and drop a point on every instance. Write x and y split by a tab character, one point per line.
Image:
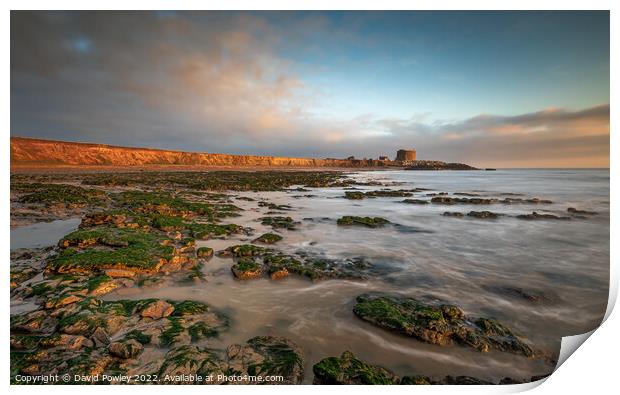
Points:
279	222
415	380
525	201
455	200
453	214
104	288
573	210
438	165
389	193
437	324
415	201
204	252
483	214
268	238
278	274
100	337
349	370
125	349
37	321
70	342
364	221
247	268
253	261
464	380
158	309
191	360
536	216
354	195
267	356
62	301
509	380
532	296
120	273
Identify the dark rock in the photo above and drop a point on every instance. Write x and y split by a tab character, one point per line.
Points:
437	324
267	356
268	238
415	201
453	214
354	195
573	210
347	369
536	216
464	380
525	201
204	252
371	222
279	222
457	200
483	214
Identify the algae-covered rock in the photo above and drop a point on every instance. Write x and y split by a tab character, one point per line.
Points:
347	369
437	324
415	201
453	214
457	200
264	356
371	222
279	222
253	261
125	349
190	360
157	309
244	250
573	210
415	380
204	252
268	238
205	231
536	216
111	248
483	214
247	268
354	195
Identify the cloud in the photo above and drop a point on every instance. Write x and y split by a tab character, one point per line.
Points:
220	82
554	137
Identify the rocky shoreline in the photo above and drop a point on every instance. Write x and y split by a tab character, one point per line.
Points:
141	230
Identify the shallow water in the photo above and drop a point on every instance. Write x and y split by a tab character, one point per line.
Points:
459	261
42	234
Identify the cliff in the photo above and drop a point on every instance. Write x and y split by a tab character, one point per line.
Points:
37	153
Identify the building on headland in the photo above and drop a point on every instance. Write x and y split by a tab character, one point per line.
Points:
405	155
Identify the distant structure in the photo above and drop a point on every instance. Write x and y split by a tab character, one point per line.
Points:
384	158
405	155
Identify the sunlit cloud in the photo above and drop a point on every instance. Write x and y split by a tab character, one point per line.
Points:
224	83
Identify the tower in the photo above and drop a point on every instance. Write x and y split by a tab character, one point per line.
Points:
405	155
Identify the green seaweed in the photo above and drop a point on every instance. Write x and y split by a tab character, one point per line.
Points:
371	222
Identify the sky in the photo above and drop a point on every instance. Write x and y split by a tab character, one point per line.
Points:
492	89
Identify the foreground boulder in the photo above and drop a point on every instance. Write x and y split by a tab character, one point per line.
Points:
264	356
347	369
260	357
438	324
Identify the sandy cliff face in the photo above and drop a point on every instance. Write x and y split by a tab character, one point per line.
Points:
26	152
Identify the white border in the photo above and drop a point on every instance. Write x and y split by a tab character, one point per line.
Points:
594	367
